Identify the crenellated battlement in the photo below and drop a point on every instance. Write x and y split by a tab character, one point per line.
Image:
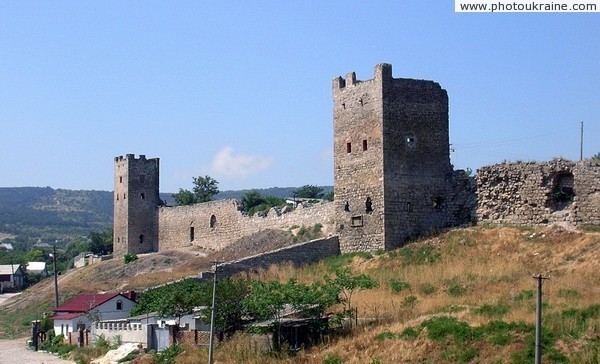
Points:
383	71
130	156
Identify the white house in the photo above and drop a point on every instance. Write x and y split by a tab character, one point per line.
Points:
85	308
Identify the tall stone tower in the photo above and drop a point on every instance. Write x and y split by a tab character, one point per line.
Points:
392	171
136	201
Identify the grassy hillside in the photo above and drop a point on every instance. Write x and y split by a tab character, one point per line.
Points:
464	296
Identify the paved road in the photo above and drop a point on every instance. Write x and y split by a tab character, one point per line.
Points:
15	352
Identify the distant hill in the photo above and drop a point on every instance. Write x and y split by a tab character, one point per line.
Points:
47	214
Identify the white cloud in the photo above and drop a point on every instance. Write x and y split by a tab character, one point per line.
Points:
228	164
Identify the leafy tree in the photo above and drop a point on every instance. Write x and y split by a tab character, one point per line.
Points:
253	202
101	242
309	191
596	156
203	191
184	197
346	283
329	197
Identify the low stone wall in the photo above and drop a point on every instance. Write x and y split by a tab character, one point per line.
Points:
297	254
216	224
539	193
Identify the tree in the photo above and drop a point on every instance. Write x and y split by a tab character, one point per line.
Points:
596	156
346	284
253	202
309	191
204	189
101	242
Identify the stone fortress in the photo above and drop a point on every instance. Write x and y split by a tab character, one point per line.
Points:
393	181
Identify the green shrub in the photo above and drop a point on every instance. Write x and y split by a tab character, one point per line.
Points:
568	293
399	286
493	310
410	333
129	257
409	302
384	335
317	228
168	355
418	255
439	328
456	289
524	295
332	359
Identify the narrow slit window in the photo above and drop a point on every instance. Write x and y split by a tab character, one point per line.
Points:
348	147
364	145
143	196
192	233
213	221
142	239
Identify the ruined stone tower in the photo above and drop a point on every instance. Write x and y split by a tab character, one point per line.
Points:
392	172
136	201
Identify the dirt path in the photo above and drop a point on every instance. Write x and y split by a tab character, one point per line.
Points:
15	352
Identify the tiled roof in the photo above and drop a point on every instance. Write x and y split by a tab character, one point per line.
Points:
67	316
85	302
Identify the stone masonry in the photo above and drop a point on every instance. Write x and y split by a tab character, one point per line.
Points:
392	174
393	181
540	193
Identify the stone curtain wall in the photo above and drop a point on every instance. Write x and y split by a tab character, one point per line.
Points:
297	254
216	224
539	193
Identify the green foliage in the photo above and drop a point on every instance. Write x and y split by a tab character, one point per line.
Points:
101	242
102	342
398	286
409	302
329	196
332	358
456	288
169	355
309	191
334	263
253	202
568	293
346	284
203	191
417	255
385	335
493	310
596	156
409	333
524	295
440	328
129	257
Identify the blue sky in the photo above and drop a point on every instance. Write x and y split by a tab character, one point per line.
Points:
241	90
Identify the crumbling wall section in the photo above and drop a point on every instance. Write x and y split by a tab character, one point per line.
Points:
539	193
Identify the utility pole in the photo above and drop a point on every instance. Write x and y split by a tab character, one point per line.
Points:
55	275
538	320
212	314
581	143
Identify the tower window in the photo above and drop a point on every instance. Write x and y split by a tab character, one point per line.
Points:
347	207
192	233
143	196
213	221
368	205
124	196
408	207
357	221
117	197
348	147
142	239
120	179
411	141
364	145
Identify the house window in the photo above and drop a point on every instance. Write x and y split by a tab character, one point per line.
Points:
213	221
119	305
364	145
192	233
348	147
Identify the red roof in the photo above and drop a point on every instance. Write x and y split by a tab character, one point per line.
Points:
85	302
67	316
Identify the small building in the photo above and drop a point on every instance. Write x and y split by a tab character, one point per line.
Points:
38	270
84	309
12	276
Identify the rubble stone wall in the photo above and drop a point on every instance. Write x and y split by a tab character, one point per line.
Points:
539	193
